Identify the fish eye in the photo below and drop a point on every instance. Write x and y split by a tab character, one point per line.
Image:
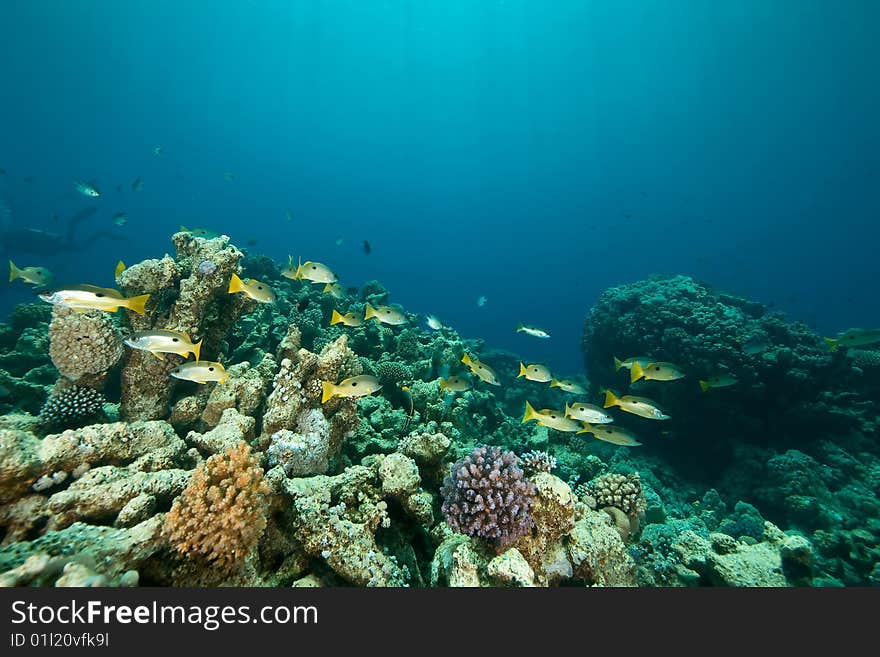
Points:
354	384
175	340
657	368
210	369
99	295
314	267
259	287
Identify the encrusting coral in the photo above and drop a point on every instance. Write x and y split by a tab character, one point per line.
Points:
83	346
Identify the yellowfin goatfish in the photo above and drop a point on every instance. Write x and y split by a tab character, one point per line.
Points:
718	381
535	372
636	405
629	362
86	188
37	276
334	290
611	434
455	384
91	297
348	319
587	413
568	386
200	371
254	289
534	331
483	371
550	418
433	323
355	386
161	341
655	372
853	338
385	314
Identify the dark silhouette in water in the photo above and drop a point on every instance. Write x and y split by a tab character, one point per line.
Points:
365	245
36	241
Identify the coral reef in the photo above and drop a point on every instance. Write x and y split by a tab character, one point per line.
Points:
72	407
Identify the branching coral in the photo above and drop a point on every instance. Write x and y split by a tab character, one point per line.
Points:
221	514
487	495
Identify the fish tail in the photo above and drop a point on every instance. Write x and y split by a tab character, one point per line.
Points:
831	342
520	327
328	390
610	399
567	409
235	284
636	373
197	348
617	364
466	359
327	287
704	385
522	370
137	303
554	383
335	318
587	428
14	272
443	384
369	311
120	267
530	414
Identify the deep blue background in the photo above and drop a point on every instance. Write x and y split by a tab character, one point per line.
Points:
483	148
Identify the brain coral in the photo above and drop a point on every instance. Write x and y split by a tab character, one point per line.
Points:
83	343
486	495
221	514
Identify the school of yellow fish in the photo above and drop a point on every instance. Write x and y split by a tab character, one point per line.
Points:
576	417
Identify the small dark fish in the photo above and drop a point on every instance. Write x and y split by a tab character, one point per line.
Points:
626	215
365	245
119	188
2	171
137	185
409	415
644	194
252	241
28	179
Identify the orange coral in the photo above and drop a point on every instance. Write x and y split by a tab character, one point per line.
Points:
221	514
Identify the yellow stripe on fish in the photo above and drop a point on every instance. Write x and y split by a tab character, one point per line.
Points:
385	315
163	341
92	297
200	371
348	319
636	405
481	370
535	372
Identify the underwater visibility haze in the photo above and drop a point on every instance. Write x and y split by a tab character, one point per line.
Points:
574	292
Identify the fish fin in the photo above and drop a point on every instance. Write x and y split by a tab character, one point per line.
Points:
610	399
831	342
466	359
120	267
183	229
587	428
520	327
522	370
197	348
137	303
704	385
235	284
369	311
14	272
617	364
158	354
530	414
328	390
327	287
335	318
443	384
554	383
567	409
636	373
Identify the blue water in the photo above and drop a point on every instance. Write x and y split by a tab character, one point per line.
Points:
532	152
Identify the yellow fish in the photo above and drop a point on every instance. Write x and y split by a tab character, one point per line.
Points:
611	434
355	386
550	418
200	371
655	372
334	290
348	319
92	297
455	384
315	272
483	371
535	372
568	386
629	362
636	405
162	341
120	267
718	381
254	289
385	314
853	338
587	413
37	276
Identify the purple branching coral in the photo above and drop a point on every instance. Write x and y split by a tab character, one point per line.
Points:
486	495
